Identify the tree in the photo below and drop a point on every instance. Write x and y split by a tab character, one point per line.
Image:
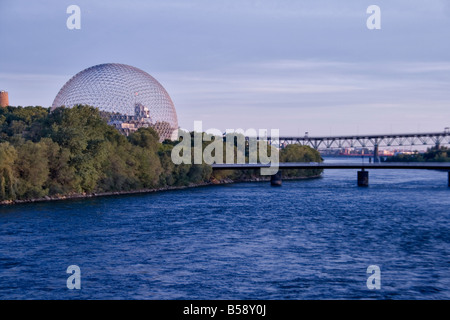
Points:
8	183
298	153
62	178
32	170
145	138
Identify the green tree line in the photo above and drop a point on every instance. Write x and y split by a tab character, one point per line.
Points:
434	154
74	150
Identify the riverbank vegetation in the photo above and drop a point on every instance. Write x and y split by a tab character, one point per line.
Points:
74	151
434	154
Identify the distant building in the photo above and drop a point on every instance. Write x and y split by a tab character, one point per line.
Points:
4	100
127	124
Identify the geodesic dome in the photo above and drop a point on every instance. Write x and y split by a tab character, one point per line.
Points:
132	97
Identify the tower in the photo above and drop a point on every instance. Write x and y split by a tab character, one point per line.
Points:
4	101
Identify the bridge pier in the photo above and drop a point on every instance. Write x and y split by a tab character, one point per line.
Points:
275	180
363	178
376	157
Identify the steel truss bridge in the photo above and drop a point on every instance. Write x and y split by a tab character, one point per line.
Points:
367	141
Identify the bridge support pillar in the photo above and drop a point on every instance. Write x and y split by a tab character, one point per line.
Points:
376	157
275	180
363	178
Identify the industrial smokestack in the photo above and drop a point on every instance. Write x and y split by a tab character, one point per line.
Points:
4	100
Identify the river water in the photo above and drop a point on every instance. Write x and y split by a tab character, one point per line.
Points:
309	239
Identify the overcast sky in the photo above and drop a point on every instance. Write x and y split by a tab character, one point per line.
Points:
290	64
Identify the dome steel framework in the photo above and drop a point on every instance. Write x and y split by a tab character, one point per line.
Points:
131	97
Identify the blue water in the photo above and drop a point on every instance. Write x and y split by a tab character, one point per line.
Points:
311	239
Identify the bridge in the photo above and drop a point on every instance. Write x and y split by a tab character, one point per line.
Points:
363	175
367	141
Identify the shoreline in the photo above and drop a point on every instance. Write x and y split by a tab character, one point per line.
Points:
212	182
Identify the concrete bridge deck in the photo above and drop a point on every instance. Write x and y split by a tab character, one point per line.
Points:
362	177
323	165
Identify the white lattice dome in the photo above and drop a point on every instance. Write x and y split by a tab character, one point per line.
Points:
132	95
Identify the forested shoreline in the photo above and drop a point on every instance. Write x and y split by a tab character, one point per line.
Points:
434	154
73	152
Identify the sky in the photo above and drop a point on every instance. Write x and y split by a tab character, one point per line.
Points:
297	66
